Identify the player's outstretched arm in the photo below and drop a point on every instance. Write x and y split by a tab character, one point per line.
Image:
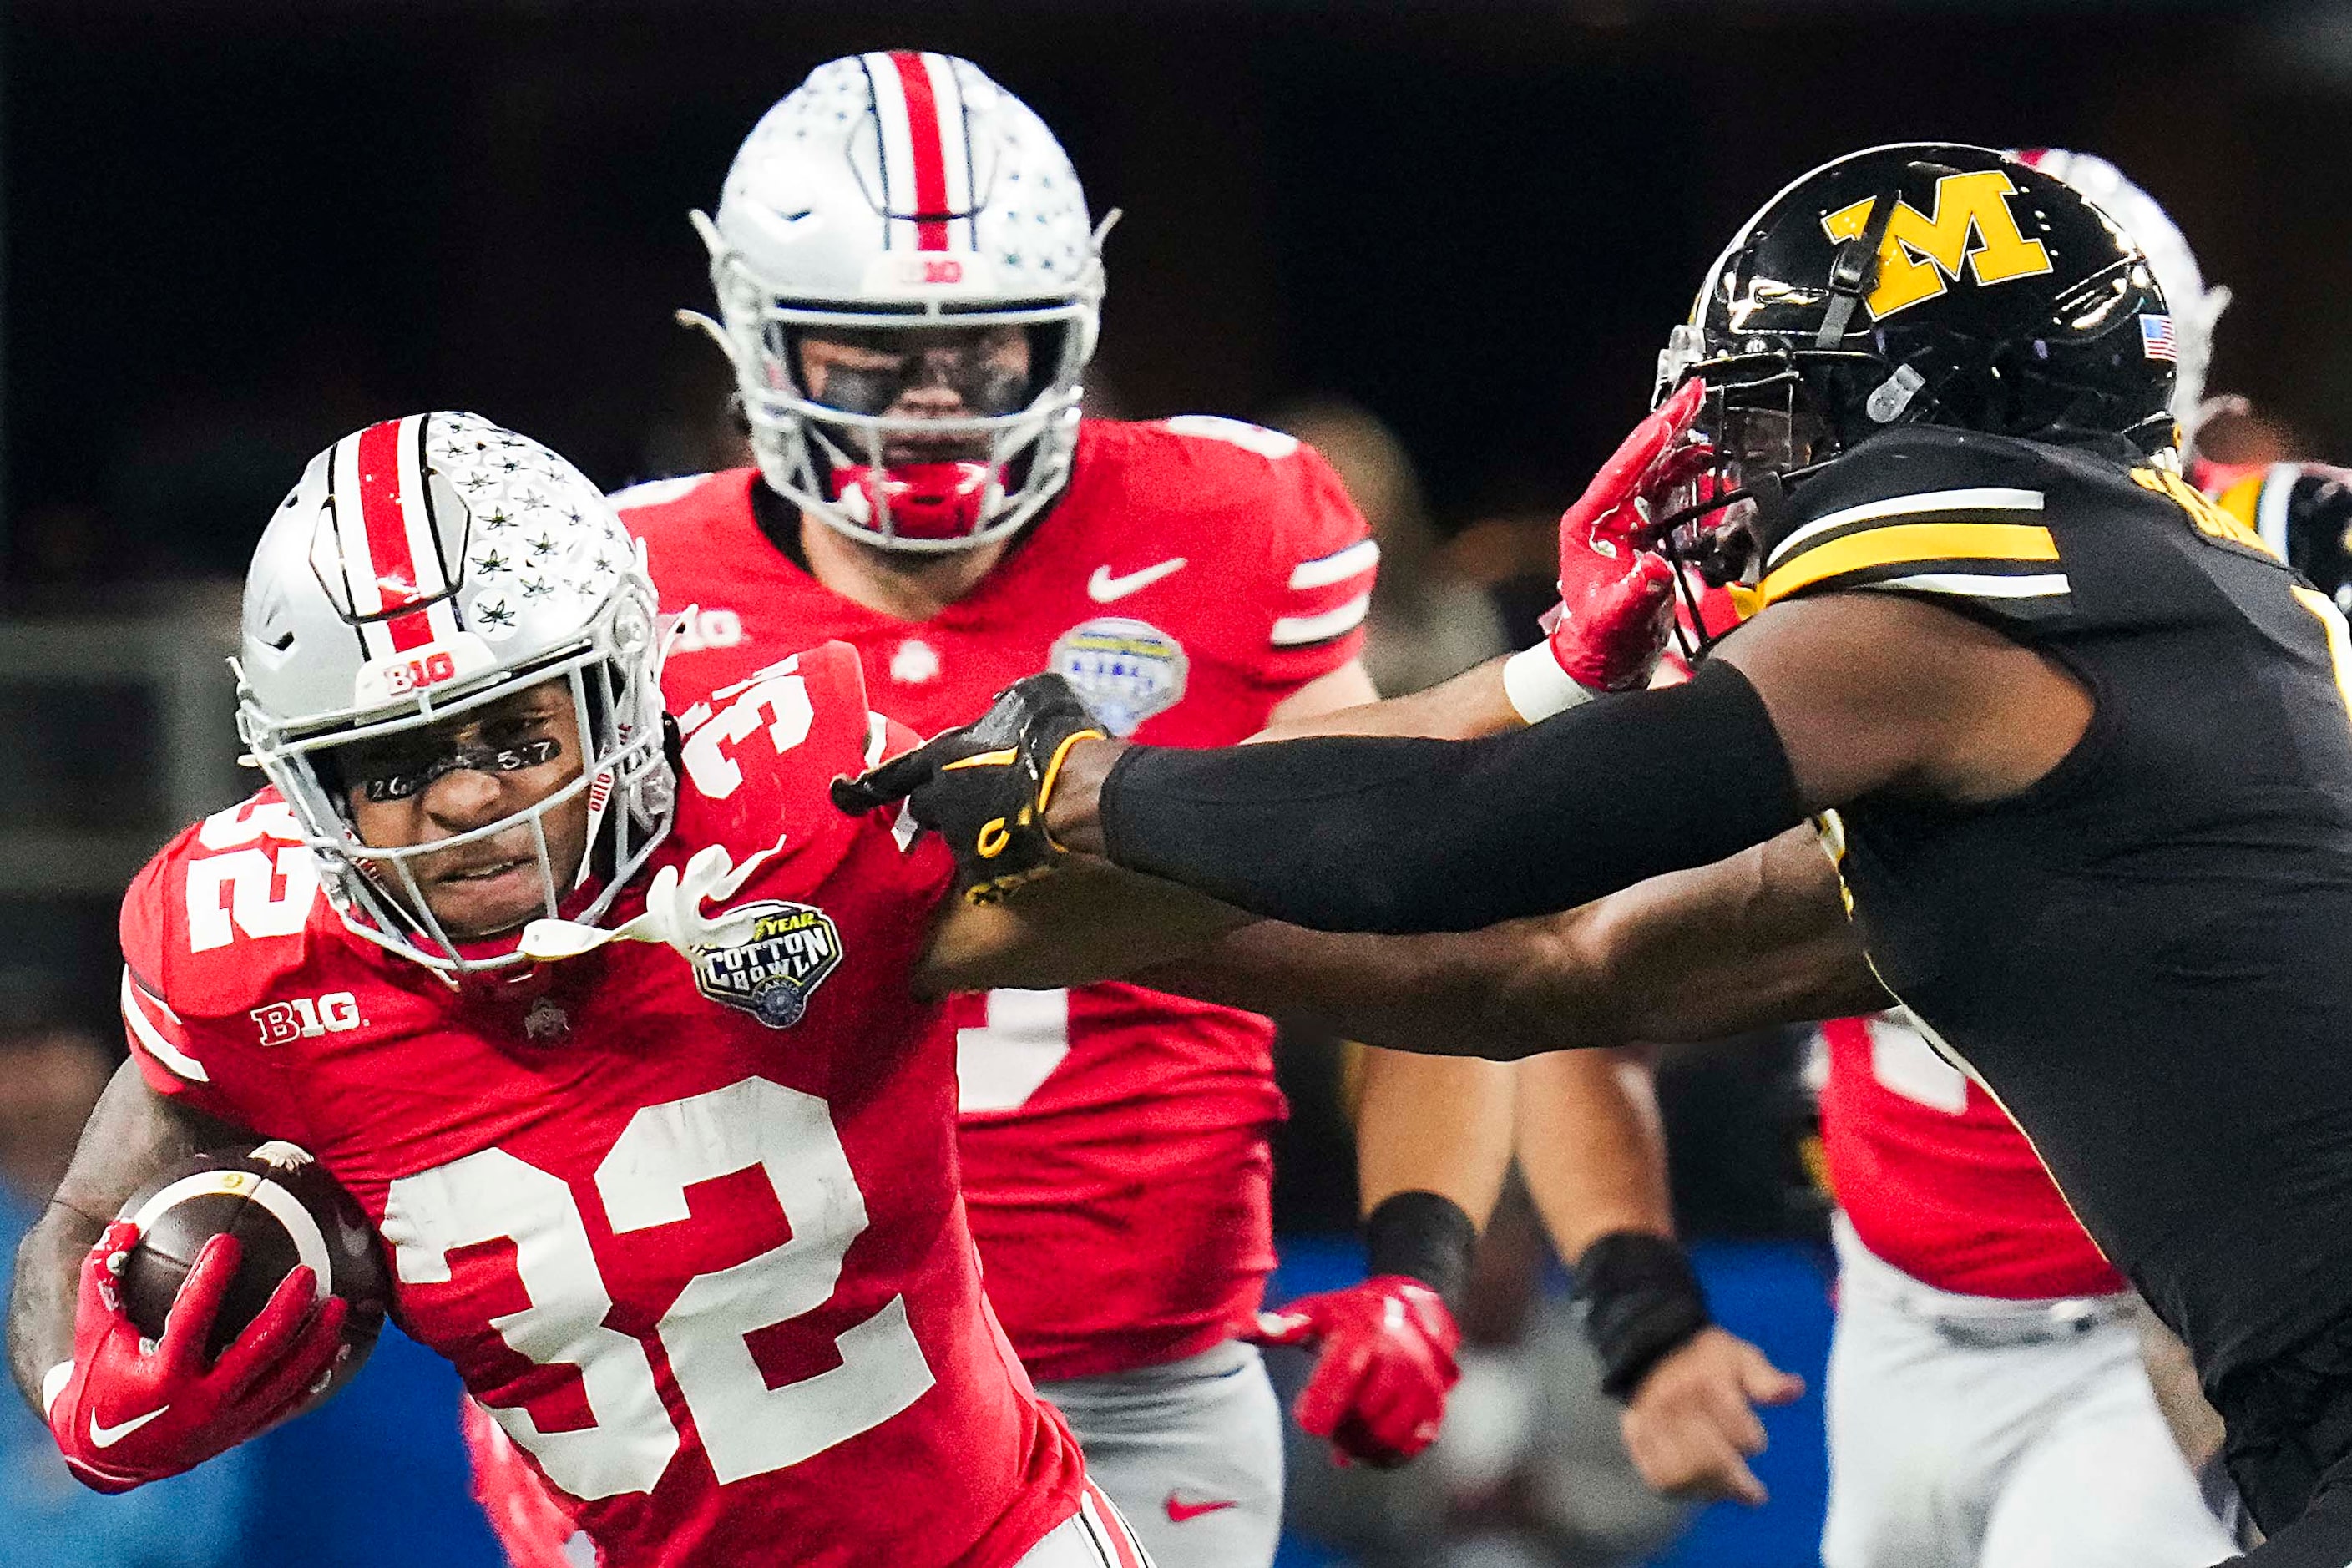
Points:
1592	1152
132	1133
1471	704
1758	938
1093	921
1816	702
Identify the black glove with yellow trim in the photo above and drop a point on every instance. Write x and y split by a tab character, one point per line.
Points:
983	787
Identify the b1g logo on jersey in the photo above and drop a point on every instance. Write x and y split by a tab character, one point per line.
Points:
771	974
1126	671
306	1018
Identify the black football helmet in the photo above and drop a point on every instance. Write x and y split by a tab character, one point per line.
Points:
1921	283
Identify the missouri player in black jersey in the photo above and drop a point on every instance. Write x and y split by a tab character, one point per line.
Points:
2078	746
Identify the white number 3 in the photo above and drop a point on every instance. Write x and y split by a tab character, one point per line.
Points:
747	1428
771	695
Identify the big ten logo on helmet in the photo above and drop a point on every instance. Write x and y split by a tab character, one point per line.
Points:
699	628
416	674
771	974
1971	226
904	269
1126	671
305	1017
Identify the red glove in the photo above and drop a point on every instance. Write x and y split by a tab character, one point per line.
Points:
1379	1388
134	1411
1616	597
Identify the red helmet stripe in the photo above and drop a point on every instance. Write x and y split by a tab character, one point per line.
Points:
926	137
384	502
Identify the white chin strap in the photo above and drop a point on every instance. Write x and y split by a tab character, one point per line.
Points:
672	913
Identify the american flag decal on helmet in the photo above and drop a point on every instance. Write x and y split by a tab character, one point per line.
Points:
927	176
2157	339
383	526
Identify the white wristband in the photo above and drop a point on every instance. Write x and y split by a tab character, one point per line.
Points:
1536	686
53	1383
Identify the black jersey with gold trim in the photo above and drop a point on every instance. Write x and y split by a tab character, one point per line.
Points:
2148	956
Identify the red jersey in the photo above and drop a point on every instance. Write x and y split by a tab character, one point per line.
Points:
690	1228
1194	574
1936	1179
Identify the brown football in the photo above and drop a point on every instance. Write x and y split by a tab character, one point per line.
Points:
284	1210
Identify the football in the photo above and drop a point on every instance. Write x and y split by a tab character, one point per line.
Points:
285	1211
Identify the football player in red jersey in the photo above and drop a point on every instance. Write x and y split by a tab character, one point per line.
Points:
908	283
685	1221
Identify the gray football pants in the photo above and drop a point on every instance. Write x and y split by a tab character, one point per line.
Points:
1190	1451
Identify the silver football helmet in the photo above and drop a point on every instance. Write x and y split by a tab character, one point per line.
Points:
429	565
2195	307
891	192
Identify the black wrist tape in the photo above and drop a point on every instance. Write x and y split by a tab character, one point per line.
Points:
1642	1302
1426	1237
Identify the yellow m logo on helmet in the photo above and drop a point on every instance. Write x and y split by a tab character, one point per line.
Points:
1971	225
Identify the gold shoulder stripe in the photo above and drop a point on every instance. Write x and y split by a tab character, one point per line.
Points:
1903	543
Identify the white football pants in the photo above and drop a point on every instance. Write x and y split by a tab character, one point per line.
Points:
1094	1537
1190	1451
1968	1432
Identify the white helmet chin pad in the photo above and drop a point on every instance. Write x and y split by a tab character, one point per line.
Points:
896	191
422	568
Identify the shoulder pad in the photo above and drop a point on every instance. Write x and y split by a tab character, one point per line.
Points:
1922	509
656	492
1271	445
781	732
222	910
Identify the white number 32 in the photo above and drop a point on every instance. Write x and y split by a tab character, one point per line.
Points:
747	1428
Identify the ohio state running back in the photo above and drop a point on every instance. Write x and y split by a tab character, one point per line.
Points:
679	1200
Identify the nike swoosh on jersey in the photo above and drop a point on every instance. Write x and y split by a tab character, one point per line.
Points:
1102	587
107	1436
1179	1510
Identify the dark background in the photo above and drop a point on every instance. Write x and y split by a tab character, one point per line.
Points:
232	232
235	231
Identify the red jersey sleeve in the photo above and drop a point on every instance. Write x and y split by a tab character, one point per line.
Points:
1320	578
208	927
762	755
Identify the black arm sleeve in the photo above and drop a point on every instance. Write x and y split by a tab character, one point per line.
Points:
1375	834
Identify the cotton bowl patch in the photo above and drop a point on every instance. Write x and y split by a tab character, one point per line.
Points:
772	975
1126	671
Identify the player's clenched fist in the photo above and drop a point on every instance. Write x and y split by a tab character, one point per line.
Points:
129	1410
983	787
1385	1366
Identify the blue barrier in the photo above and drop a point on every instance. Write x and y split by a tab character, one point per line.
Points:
377	1478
